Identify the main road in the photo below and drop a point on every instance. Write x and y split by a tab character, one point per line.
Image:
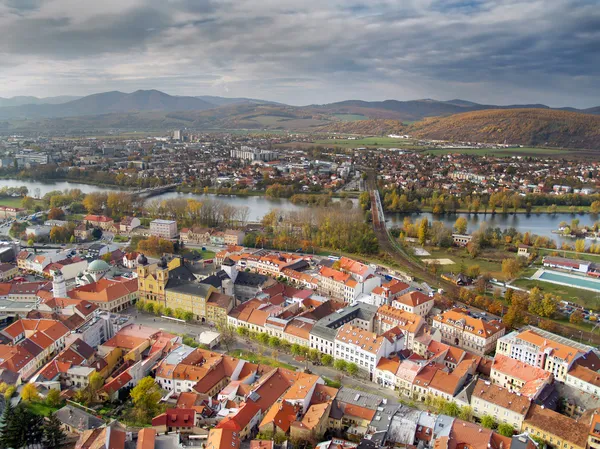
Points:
195	329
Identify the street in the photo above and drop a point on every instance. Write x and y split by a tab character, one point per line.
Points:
194	329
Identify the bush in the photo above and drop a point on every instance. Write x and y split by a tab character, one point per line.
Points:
340	364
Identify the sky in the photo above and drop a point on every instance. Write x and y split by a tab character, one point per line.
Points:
306	51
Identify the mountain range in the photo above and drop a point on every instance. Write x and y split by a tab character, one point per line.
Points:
454	119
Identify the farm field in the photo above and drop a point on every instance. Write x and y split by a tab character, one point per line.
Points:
349	117
384	142
529	151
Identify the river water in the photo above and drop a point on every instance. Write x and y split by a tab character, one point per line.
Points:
539	224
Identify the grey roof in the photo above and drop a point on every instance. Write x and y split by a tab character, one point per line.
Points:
383	416
520	441
360	398
191	288
250	279
77	418
327	327
403	426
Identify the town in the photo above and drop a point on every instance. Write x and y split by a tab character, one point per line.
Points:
152	312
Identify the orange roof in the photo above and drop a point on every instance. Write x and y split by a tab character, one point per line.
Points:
336	275
353	266
105	290
222	439
358	411
562	351
146	438
239	420
390	365
299	328
501	397
368	341
519	370
407	321
414	299
476	326
281	414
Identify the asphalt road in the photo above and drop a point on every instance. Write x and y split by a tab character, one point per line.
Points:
194	329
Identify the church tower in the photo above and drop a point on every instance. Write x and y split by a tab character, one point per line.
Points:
59	285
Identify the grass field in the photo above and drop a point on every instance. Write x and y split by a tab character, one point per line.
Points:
10	201
384	142
260	359
41	409
529	151
460	257
586	298
206	254
349	117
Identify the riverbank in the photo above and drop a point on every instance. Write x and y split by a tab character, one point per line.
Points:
65	180
536	210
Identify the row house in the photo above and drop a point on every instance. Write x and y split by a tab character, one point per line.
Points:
472	334
544	350
388	317
387	292
365	348
414	302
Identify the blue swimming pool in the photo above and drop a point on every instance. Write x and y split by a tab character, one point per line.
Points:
575	281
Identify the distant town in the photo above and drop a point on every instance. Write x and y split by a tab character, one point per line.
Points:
272	291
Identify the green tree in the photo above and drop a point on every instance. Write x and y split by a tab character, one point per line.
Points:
263	338
451	409
352	368
146	396
242	331
5	418
149	307
274	342
54	436
326	359
466	413
340	365
53	398
506	429
488	422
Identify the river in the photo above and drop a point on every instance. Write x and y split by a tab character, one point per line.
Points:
539	224
258	206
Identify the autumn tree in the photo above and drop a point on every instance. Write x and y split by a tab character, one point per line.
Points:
56	214
94	202
460	225
146	399
580	245
423	231
510	268
576	317
29	392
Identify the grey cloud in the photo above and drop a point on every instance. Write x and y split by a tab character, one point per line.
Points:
374	48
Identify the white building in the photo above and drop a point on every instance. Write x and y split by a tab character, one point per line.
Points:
364	348
166	229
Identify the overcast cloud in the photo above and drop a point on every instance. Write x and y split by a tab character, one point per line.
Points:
306	51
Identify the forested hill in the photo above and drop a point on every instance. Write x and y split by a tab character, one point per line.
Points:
544	127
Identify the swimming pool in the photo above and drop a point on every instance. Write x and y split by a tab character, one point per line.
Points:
570	280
